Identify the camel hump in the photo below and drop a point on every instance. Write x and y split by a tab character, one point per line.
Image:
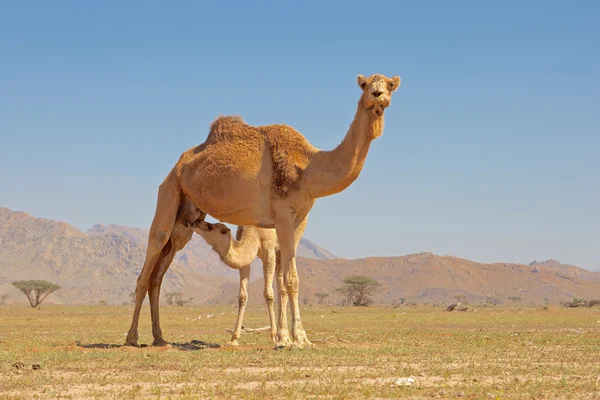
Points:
226	128
225	123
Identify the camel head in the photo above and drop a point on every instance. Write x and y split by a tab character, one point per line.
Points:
217	235
377	91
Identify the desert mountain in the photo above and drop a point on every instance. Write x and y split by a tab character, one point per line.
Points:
90	268
199	256
103	264
429	278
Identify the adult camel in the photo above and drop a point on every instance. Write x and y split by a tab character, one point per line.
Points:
265	176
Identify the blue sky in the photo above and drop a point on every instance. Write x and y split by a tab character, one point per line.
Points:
490	149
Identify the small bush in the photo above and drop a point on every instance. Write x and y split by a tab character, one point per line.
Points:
580	302
176	299
593	302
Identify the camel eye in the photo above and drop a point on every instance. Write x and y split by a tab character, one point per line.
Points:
391	85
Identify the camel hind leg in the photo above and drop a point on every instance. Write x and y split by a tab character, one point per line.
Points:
289	237
179	238
242	301
167	207
283	335
269	261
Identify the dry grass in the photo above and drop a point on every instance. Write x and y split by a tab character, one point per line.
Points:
359	353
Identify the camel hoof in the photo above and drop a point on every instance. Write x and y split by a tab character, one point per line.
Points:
300	340
282	338
274	337
160	343
280	346
132	342
283	342
233	343
303	344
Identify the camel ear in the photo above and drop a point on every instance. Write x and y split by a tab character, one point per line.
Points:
395	83
362	81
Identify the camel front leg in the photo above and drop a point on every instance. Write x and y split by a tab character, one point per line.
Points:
283	334
242	301
269	260
286	233
154	294
296	311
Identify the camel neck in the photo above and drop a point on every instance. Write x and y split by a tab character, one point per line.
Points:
241	252
330	172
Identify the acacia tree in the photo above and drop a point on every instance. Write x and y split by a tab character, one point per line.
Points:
347	294
358	289
169	297
36	291
322	297
176	298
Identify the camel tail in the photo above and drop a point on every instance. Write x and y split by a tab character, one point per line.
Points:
167	206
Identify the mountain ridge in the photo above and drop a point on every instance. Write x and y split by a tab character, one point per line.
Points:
102	265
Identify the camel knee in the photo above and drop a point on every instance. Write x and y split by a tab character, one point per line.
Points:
140	293
293	288
292	283
269	296
283	291
242	300
161	237
155	284
142	285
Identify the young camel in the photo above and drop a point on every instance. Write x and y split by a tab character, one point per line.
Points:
249	242
266	176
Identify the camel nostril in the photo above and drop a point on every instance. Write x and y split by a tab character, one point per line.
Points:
377	94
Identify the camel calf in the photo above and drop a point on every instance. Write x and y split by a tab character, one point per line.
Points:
238	253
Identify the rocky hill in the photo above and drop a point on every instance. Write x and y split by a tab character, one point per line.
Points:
429	278
103	264
199	256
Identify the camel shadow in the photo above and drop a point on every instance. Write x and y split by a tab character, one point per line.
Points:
195	345
189	346
101	345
